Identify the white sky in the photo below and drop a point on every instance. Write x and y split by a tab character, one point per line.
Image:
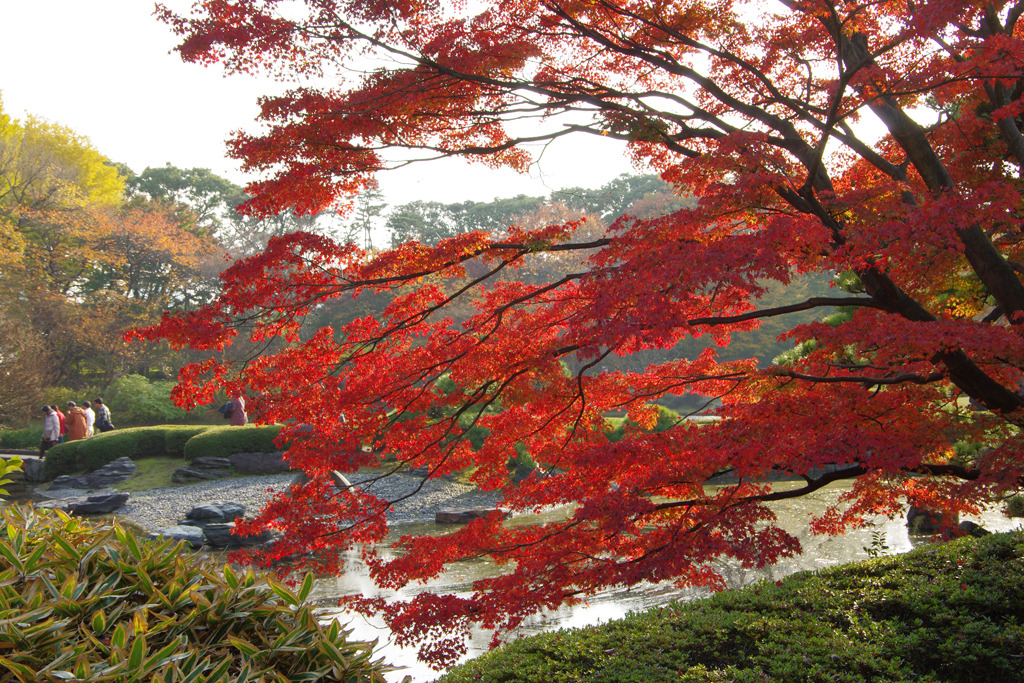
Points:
104	68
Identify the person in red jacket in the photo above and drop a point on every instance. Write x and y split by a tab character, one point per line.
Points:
63	423
238	416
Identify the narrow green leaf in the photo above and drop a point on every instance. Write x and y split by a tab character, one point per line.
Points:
99	622
12	557
332	651
83	670
138	653
24	673
120	637
230	578
128	541
222	669
67	547
145	581
199	599
282	592
67	589
167	654
244	646
244	672
33	559
306	588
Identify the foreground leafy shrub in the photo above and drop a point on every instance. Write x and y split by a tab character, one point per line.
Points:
9	467
948	612
87	602
221	442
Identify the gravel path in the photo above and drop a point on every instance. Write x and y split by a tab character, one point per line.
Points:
162	507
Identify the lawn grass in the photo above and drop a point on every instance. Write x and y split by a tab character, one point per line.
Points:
944	612
151	473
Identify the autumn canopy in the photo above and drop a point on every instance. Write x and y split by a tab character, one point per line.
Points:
876	144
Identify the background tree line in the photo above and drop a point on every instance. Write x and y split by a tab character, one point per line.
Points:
89	249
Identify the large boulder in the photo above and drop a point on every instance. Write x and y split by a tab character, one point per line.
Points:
464	516
969	528
192	535
259	463
112	473
202	469
221	535
214	512
924	522
32	469
99	503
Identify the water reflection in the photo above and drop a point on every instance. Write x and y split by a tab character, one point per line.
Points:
794	515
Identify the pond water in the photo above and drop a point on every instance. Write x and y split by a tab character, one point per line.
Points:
819	552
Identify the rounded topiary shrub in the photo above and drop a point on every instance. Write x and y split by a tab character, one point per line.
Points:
135	443
105	447
221	442
98	450
61	459
88	602
176	436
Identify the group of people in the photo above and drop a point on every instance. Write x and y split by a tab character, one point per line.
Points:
76	423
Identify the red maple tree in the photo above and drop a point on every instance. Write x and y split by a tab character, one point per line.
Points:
764	117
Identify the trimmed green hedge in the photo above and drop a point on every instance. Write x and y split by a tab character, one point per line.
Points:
21	439
943	612
135	443
178	435
221	442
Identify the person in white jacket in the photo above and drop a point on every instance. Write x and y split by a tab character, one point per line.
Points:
51	430
90	418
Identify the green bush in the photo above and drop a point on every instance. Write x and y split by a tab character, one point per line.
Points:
133	399
9	468
95	452
221	442
947	612
1015	506
22	439
176	436
61	459
87	602
617	426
